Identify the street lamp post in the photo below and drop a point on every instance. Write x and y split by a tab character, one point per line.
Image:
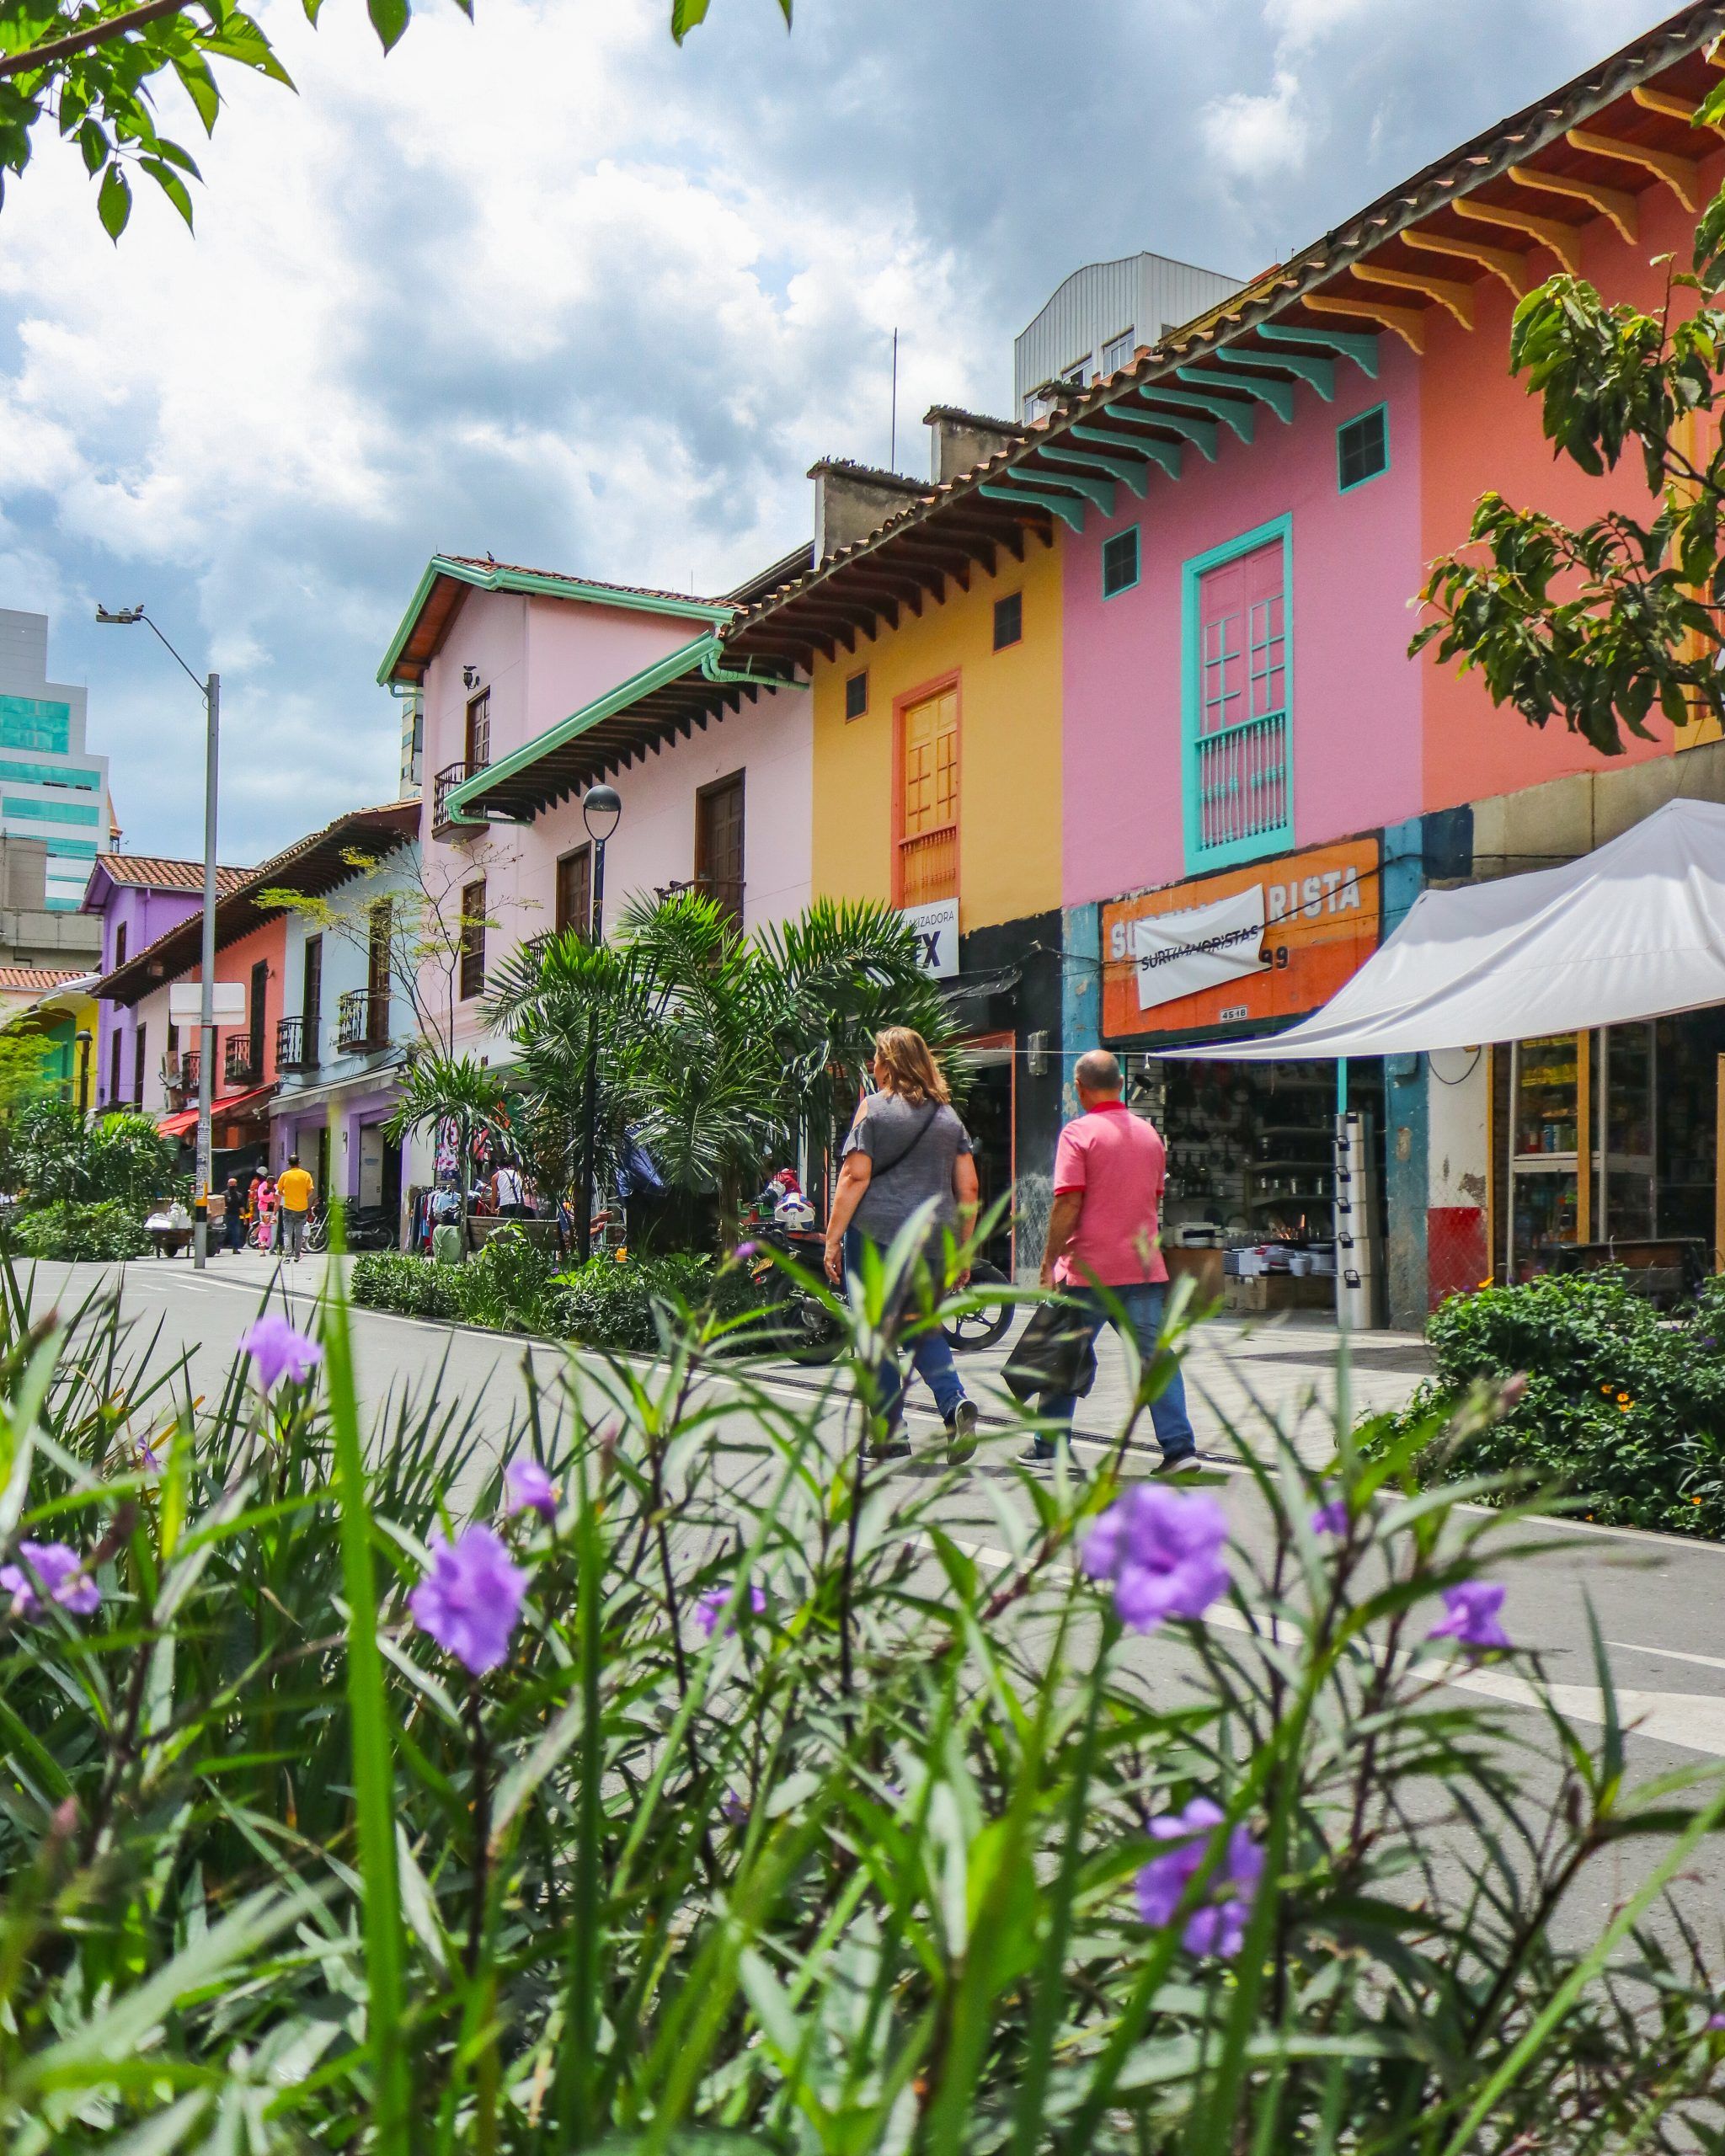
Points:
601	808
126	617
84	1045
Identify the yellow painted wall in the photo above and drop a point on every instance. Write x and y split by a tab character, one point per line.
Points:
1009	744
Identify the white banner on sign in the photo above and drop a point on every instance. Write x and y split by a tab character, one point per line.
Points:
1179	953
936	926
228	1002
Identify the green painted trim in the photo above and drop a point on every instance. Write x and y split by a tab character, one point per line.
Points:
1062	506
1320	373
1200	861
1353	486
1120	589
498	579
1240	418
683	660
1278	395
1202	433
1359	345
1099	491
1131	471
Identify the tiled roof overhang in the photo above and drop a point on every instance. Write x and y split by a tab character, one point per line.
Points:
310	867
1510	204
664	703
449	578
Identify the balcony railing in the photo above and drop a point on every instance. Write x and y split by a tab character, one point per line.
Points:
242	1060
1243	792
727	892
179	1073
928	866
361	1021
296	1044
445	783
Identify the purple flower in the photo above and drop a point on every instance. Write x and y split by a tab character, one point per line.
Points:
279	1350
1716	2021
149	1457
713	1605
1331	1517
1218	1924
1472	1616
470	1599
1163	1553
50	1568
732	1807
746	1250
531	1489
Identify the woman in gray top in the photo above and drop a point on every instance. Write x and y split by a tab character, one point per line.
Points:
906	1147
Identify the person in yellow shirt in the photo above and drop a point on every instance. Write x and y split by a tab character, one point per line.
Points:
294	1188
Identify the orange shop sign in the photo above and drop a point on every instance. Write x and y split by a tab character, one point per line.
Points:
1252	947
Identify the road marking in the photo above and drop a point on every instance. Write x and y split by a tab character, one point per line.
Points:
1672	1654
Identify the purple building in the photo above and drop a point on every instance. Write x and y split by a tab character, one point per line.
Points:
137	897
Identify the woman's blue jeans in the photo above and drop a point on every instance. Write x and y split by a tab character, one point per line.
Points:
930	1356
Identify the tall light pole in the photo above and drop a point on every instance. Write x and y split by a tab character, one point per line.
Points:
601	809
127	618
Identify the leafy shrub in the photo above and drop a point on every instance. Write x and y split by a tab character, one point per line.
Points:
107	1231
411	1287
774	1821
1623	1407
504	1284
604	1304
58	1156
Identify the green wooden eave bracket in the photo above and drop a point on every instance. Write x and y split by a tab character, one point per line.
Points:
1278	395
1240	417
1130	469
1319	372
1165	453
1358	346
1063	507
1202	432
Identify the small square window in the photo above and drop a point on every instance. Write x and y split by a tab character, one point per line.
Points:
1008	620
856	695
1362	448
1119	561
1117	351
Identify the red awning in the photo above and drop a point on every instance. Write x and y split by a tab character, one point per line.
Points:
237	1104
176	1126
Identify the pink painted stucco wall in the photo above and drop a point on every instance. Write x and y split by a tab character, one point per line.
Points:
1356	695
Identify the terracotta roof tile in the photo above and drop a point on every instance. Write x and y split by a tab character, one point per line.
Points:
154	872
584	583
39	980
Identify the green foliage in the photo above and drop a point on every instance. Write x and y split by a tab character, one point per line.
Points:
631	1304
505	1282
850	1871
96	71
1600	623
411	1287
108	1230
1623	1410
58	1156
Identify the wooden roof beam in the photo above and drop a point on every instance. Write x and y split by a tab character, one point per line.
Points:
1502	261
1408	322
1278	395
1457	299
1041	479
1068	511
1130	470
1609	201
1564	241
1667	107
1166	454
1361	346
1202	433
1682	175
1242	417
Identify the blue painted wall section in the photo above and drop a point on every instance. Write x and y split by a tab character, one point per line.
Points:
1406	1183
1080	996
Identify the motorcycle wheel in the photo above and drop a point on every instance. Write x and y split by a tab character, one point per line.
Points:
977	1329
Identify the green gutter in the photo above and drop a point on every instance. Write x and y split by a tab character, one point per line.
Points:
499	579
703	652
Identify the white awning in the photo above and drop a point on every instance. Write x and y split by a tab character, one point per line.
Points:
1634	930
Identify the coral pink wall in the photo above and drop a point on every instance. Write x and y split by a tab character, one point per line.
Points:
1356	560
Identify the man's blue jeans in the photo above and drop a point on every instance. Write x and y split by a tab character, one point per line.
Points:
930	1356
1142	1305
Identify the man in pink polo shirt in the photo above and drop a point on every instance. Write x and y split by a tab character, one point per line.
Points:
1102	1233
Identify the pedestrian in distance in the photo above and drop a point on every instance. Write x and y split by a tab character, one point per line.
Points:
234	1225
508	1193
268	1208
1103	1234
294	1190
907	1148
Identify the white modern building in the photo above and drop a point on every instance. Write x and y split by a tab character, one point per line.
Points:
50	788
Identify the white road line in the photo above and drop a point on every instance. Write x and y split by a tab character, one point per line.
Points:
1671	1654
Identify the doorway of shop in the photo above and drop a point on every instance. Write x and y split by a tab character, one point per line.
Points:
989	1116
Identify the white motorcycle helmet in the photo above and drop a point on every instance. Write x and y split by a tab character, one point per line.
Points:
793	1211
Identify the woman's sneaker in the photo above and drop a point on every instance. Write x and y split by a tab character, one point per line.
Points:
961	1433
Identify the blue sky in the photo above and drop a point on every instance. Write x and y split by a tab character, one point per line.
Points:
545	286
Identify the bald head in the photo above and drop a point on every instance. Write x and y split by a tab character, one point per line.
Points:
1098	1077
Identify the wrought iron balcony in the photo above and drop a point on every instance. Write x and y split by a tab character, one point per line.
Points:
445	783
725	892
179	1073
361	1021
242	1060
296	1044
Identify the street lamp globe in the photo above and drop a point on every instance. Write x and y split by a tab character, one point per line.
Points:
601	808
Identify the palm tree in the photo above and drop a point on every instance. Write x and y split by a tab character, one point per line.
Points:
438	1089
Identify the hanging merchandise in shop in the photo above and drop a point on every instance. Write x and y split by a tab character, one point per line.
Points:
1249	947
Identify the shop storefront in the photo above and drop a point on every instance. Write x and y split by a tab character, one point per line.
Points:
1251	1146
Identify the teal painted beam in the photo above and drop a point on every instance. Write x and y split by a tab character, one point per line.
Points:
1129	469
1099	491
1165	453
1200	432
1320	373
1278	395
1358	346
1240	417
1063	507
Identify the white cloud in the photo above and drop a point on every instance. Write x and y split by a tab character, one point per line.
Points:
1257	137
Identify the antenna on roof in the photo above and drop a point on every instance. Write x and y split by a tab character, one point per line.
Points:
892	455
